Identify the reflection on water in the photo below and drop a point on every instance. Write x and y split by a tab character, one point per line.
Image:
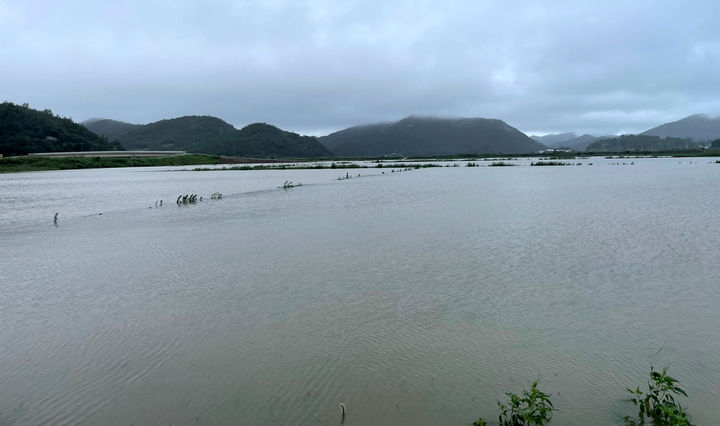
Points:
414	298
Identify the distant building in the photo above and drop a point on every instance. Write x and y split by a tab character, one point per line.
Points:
51	138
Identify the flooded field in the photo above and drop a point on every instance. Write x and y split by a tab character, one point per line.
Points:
417	297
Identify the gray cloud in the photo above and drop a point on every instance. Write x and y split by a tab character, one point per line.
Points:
319	65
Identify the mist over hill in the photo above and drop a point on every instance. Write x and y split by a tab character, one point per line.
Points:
568	140
430	136
24	130
210	135
699	127
554	138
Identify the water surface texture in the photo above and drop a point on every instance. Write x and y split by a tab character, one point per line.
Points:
414	298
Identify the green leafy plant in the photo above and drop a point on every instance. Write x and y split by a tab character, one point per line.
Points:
532	408
658	403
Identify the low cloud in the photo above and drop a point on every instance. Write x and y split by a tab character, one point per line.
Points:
318	66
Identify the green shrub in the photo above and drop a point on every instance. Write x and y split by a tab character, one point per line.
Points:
658	403
532	408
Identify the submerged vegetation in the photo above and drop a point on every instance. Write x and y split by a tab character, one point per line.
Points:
186	199
31	163
320	166
28	164
549	163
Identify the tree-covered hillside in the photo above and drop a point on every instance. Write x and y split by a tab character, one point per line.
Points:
259	138
430	136
25	130
111	129
641	143
699	127
211	135
199	134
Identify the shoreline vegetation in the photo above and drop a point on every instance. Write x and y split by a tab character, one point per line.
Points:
34	164
31	163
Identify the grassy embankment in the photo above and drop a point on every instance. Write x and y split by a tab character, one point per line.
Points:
29	164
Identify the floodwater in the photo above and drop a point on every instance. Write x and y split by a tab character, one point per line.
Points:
414	298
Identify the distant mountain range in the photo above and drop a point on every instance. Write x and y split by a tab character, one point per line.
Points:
691	132
25	130
210	135
567	140
698	127
415	136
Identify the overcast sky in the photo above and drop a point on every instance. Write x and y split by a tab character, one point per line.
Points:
321	65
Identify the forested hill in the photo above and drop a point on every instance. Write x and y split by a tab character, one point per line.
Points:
641	143
24	130
211	135
430	136
111	129
258	138
698	127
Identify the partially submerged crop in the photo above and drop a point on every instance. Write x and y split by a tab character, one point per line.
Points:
187	199
549	163
191	199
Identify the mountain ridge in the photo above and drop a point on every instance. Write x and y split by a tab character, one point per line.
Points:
427	135
698	127
210	135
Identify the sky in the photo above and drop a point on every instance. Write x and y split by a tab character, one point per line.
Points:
317	66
